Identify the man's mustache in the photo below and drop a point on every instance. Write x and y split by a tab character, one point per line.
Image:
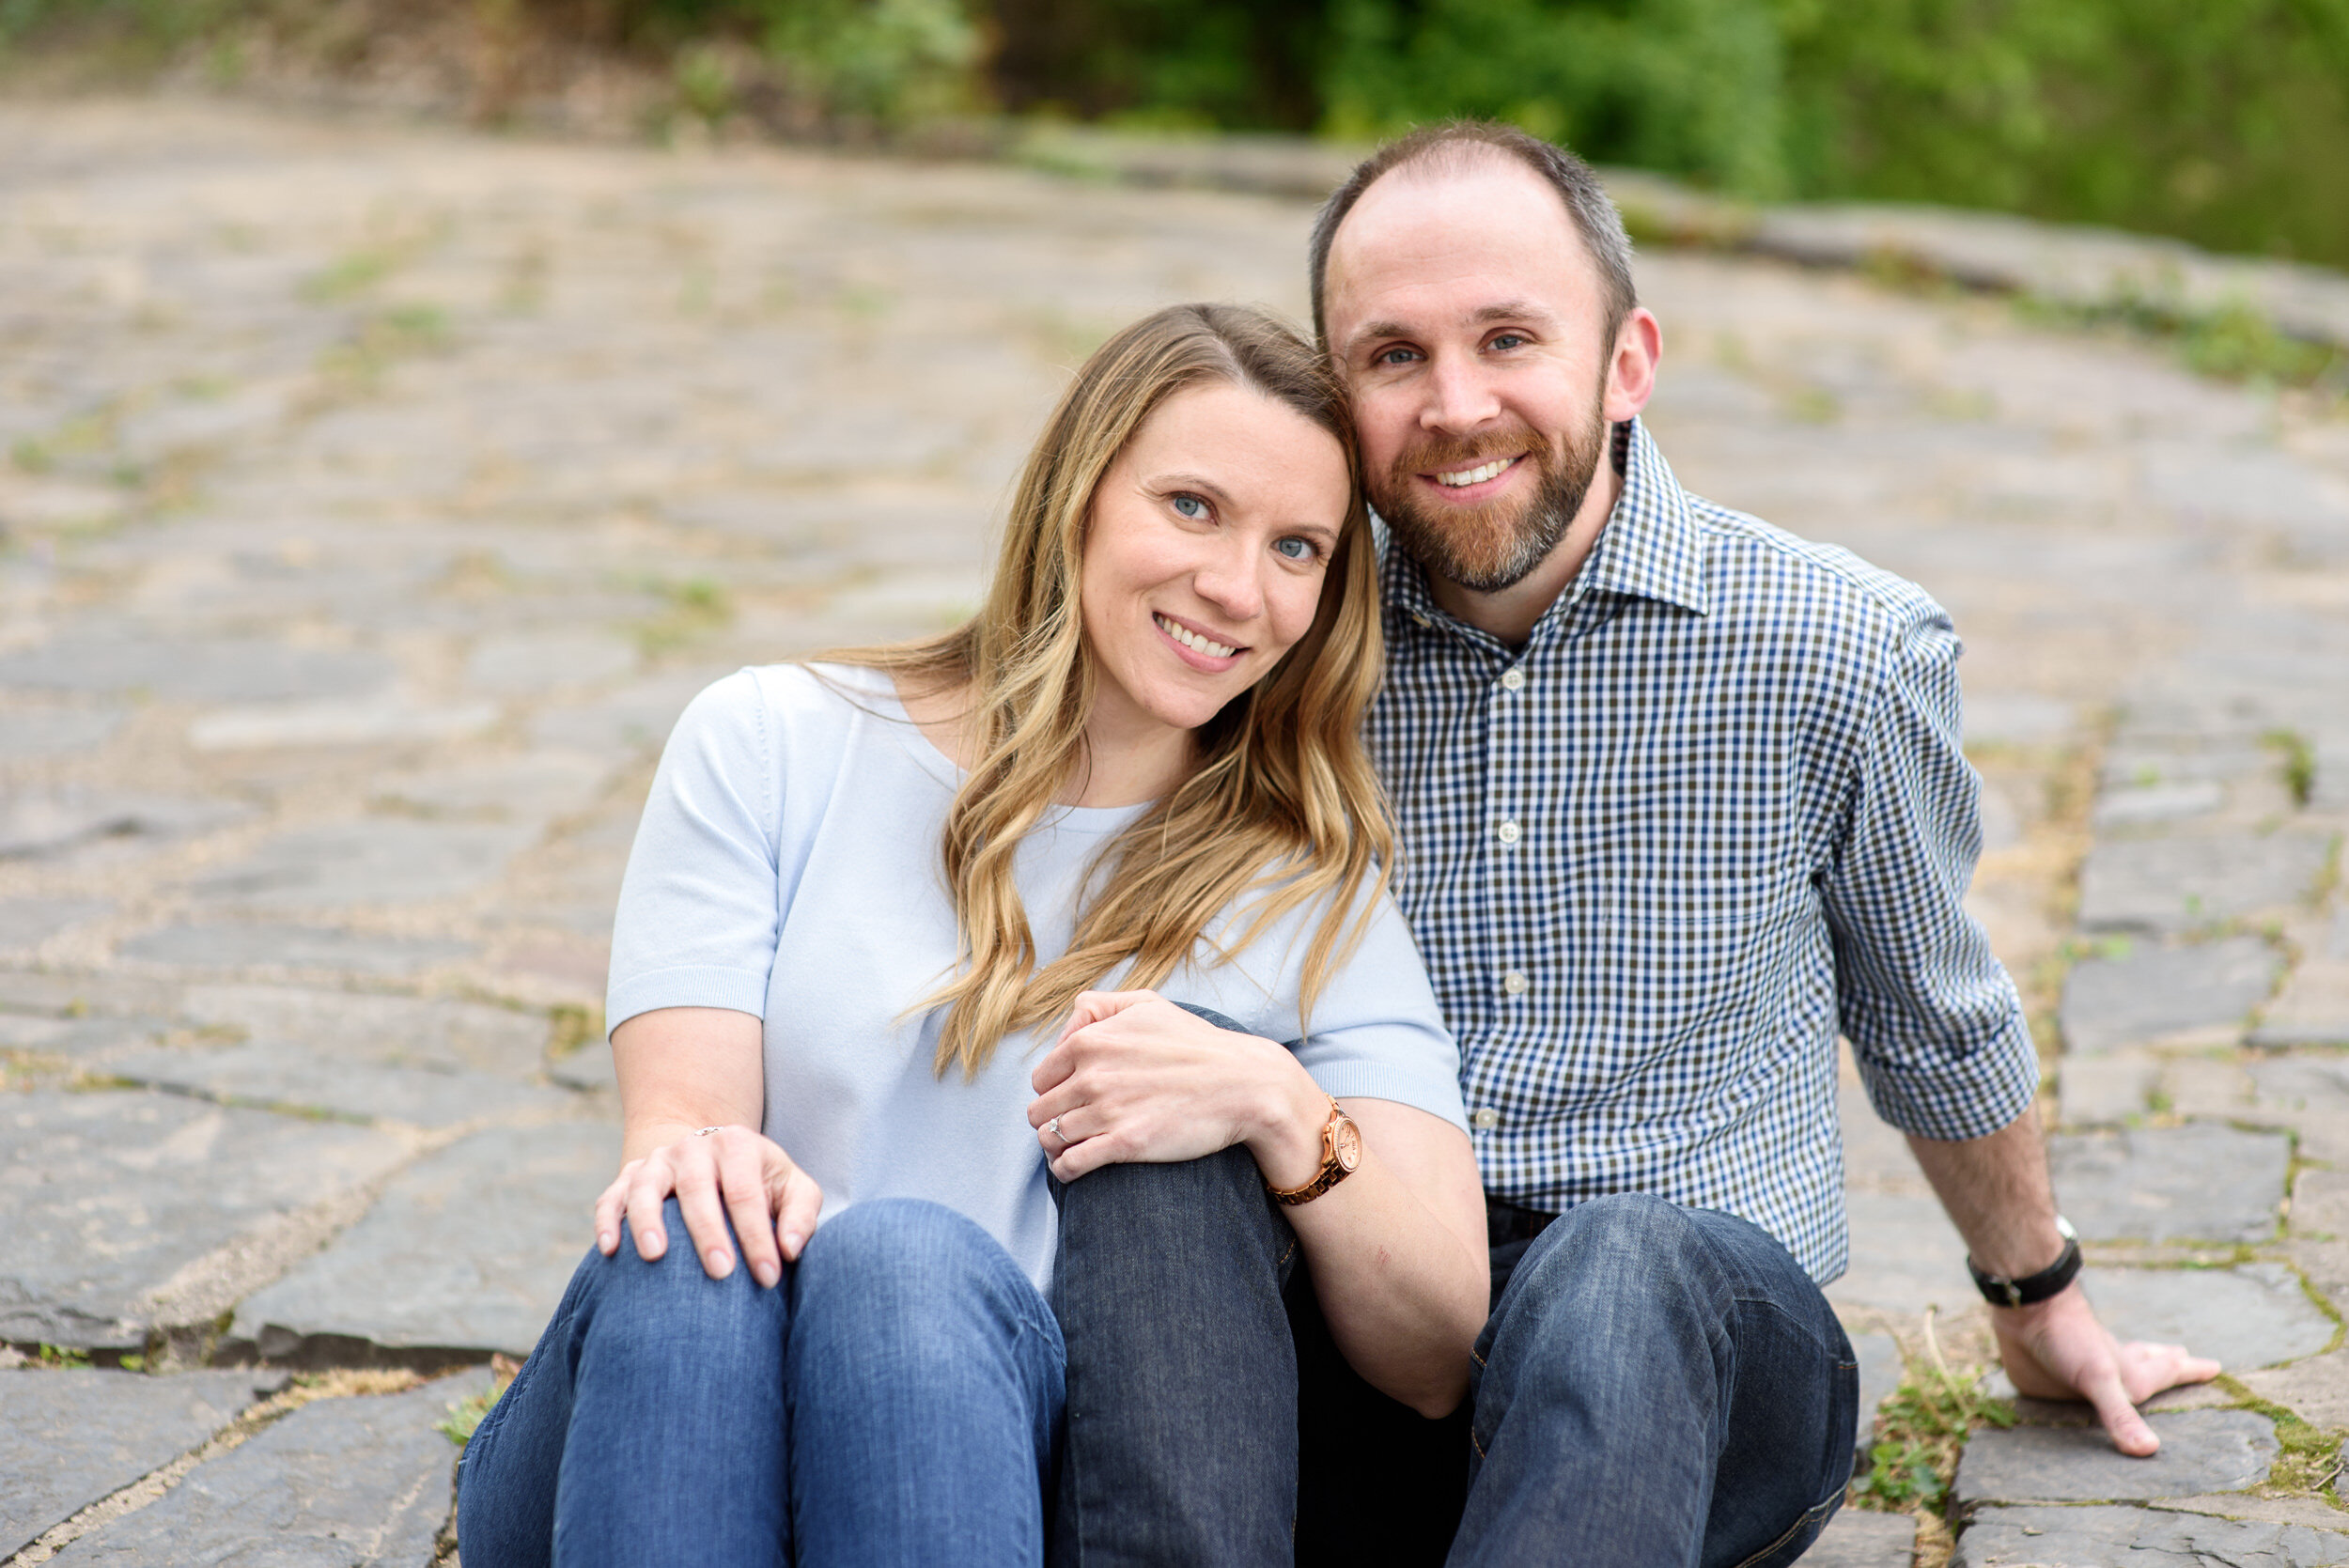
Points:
1448	454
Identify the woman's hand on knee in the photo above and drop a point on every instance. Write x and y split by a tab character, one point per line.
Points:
728	1173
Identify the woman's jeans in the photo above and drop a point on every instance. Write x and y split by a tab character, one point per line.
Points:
895	1401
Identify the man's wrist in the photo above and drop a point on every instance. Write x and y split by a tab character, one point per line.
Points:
2027	1287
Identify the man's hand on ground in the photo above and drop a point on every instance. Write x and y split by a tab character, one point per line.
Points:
2056	1349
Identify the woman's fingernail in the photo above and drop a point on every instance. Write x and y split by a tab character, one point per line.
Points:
791	1240
768	1273
720	1261
603	1241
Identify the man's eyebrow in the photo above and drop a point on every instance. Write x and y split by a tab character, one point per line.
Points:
1511	310
1376	329
1508	310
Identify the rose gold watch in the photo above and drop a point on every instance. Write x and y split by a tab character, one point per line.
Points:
1341	1152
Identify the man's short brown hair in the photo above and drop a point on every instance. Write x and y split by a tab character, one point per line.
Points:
1458	144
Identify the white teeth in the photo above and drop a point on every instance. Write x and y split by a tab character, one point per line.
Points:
1474	475
1191	639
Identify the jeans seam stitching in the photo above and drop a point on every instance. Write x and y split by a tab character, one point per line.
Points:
1792	1530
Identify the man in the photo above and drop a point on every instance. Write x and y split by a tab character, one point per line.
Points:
1680	797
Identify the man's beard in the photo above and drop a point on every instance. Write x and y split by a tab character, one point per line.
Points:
1497	545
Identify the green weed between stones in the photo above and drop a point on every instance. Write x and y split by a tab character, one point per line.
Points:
1920	1430
571	1028
2309	1459
465	1417
695	609
2299	762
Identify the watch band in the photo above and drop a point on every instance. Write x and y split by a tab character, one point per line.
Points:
2036	1287
1333	1169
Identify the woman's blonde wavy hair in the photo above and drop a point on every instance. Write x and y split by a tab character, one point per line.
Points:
1283	808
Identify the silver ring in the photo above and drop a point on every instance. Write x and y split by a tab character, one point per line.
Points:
1053	1126
704	1132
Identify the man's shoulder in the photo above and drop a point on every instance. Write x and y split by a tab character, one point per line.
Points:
1758	569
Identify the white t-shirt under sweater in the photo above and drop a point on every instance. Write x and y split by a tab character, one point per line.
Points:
787	866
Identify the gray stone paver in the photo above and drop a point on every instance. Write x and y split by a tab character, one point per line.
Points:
70	1438
2255	1315
363	1480
403	620
1856	1540
2201	1182
2138	1538
110	1195
2201	1451
482	1237
2156	994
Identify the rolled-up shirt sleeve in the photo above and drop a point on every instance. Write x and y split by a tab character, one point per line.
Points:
699	910
1935	1025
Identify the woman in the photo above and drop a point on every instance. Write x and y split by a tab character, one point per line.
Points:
861	996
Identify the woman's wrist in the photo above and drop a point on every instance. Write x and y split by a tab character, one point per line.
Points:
1287	1139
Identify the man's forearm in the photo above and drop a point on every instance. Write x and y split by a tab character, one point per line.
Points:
1998	1194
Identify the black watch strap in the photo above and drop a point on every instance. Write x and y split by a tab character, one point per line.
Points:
2032	1287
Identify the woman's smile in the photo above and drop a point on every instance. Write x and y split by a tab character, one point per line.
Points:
1198	649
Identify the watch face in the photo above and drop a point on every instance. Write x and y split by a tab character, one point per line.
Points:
1348	1143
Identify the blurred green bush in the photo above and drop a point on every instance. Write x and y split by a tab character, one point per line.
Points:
2222	121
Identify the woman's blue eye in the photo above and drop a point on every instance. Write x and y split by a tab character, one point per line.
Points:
1190	507
1295	548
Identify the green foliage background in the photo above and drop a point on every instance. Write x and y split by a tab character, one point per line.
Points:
2222	121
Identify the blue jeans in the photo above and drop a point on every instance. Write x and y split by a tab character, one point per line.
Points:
1657	1387
896	1399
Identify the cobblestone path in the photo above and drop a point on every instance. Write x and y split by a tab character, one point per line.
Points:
374	499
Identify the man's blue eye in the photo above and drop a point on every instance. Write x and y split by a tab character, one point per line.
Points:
1508	340
1395	356
1190	507
1295	548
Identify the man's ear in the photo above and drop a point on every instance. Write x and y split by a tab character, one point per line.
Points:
1631	370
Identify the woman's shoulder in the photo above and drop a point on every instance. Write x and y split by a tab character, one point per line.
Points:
798	703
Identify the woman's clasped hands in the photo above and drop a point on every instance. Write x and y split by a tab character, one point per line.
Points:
1136	1080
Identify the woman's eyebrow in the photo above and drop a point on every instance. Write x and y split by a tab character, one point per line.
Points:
1199	482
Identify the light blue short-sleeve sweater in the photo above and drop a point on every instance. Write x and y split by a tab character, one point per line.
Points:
787	866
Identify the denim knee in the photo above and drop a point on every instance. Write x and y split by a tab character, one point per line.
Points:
672	1300
890	1260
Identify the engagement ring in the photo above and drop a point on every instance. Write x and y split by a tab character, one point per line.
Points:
1053	1126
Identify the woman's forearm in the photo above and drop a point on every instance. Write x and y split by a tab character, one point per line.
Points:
683	1068
1396	1249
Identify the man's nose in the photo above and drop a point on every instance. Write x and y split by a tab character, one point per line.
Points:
1460	396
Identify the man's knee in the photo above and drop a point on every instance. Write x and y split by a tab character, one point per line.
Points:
1625	1243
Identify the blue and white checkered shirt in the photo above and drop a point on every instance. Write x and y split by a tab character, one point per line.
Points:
1712	812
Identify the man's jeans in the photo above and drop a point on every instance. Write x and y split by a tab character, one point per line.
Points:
896	1399
1656	1386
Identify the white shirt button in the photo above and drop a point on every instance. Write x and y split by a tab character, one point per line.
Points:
1513	680
1509	832
1514	982
1484	1118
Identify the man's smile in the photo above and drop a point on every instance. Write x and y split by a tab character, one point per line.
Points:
1475	483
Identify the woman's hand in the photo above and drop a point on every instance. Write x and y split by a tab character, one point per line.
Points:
1135	1078
729	1171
